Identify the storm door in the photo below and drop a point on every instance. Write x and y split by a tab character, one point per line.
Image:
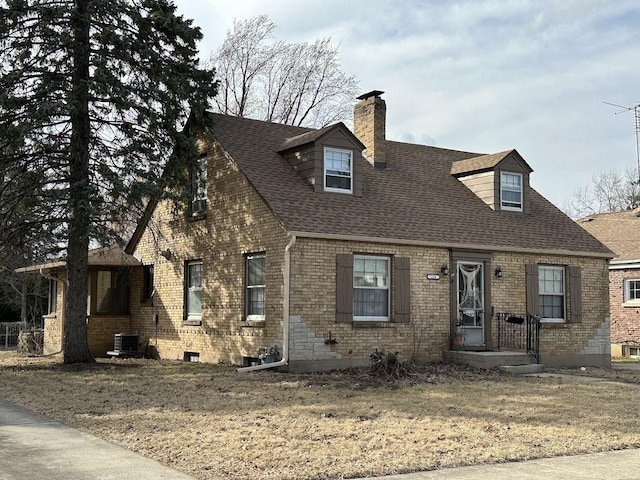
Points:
470	321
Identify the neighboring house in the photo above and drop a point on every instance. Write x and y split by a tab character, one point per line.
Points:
326	244
620	231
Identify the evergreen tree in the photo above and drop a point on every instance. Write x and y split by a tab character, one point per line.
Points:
94	95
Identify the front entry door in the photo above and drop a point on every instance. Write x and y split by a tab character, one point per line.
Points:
470	321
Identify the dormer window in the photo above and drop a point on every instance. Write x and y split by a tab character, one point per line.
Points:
338	170
511	191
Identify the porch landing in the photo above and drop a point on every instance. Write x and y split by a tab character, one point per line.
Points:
513	362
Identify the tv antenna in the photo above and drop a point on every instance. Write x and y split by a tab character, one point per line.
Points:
636	114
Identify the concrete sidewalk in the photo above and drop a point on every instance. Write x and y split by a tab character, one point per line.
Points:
36	448
621	465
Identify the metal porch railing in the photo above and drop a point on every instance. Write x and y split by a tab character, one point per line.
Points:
520	332
9	332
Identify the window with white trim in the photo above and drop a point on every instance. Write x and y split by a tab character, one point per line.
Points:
552	293
338	170
511	191
632	290
630	351
255	286
371	279
193	290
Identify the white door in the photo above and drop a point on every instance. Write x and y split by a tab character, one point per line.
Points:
470	321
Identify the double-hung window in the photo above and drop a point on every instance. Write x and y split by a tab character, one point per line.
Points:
193	291
338	170
255	286
371	293
632	290
551	292
511	191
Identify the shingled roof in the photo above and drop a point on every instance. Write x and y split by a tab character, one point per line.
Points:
620	231
111	256
482	163
414	200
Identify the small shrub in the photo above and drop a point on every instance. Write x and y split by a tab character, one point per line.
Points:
389	365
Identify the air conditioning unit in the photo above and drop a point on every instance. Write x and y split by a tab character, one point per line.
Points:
125	343
198	206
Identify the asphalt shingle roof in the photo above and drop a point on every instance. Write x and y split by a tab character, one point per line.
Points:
415	199
620	231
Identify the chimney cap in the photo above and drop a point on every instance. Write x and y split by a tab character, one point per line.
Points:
372	93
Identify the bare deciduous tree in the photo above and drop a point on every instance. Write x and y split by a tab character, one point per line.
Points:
610	191
293	83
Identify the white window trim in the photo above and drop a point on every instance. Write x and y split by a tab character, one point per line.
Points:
564	294
324	170
193	317
253	318
627	291
374	319
502	202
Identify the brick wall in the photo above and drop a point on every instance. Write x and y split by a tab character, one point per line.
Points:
237	222
313	303
101	330
427	335
625	318
574	344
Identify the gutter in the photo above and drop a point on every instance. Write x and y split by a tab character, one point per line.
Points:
448	245
285	314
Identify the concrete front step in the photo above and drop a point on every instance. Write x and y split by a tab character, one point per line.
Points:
523	369
486	359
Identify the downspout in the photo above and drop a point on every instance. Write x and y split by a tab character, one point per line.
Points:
285	314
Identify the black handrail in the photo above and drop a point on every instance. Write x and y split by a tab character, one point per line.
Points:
519	331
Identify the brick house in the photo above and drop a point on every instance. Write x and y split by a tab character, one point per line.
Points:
620	231
325	244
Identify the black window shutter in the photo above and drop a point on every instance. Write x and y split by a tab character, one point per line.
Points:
344	288
402	289
575	292
533	298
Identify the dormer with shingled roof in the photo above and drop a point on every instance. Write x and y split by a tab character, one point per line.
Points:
328	159
501	180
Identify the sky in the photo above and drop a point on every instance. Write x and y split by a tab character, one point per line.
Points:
479	75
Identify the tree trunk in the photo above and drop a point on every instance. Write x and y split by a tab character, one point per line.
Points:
76	348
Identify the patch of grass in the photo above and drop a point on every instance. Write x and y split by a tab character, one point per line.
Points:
213	423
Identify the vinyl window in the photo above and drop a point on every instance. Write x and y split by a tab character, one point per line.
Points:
193	290
255	286
511	191
551	291
371	293
632	290
338	170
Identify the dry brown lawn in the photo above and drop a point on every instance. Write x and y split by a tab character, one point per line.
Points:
213	423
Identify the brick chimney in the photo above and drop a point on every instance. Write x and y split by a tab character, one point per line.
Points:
369	125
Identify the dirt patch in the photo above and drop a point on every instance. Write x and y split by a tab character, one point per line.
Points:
213	423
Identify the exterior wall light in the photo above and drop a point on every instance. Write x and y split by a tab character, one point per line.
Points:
498	272
444	269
